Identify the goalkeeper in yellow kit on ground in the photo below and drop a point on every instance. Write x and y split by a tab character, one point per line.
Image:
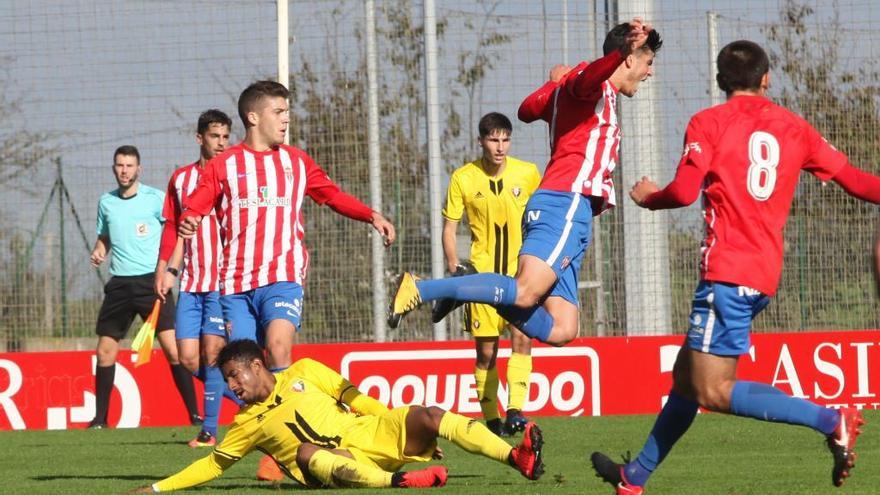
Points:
492	191
323	432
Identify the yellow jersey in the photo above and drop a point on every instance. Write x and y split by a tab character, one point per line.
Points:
494	208
310	403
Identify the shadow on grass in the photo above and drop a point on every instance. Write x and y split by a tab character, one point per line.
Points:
126	477
145	479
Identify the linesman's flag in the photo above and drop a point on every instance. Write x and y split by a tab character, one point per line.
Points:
143	341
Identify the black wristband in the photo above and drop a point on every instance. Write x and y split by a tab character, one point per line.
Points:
172	271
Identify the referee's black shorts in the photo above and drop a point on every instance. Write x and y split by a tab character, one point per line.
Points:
125	297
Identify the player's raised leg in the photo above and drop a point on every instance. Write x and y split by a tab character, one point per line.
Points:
337	468
425	424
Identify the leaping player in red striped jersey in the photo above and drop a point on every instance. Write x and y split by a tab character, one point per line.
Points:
542	299
199	321
746	156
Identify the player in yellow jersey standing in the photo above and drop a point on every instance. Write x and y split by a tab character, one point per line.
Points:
492	191
324	432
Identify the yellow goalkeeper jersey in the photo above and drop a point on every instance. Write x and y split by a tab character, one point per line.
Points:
494	208
308	404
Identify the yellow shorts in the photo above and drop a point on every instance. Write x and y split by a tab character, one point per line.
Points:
380	440
482	320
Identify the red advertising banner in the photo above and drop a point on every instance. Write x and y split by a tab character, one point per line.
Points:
590	376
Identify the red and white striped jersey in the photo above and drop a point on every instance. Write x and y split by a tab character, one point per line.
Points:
201	253
258	197
584	132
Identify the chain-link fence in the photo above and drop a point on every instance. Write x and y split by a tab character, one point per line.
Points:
80	79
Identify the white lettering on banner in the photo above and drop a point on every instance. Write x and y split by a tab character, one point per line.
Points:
828	369
791	376
130	395
8	406
668	355
577	391
862	368
459	392
543	385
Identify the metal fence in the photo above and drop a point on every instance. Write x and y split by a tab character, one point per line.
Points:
79	79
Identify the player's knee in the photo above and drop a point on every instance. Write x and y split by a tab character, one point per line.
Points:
304	454
434	415
190	362
562	333
106	354
713	398
527	296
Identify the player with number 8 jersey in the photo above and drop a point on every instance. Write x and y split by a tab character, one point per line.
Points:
751	182
746	155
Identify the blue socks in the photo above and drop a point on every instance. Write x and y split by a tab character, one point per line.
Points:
494	289
214	386
748	399
761	401
535	322
486	288
675	419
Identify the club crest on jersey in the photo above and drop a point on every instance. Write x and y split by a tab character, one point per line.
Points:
142	229
516	191
476	324
288	174
298	386
263	200
565	262
692	146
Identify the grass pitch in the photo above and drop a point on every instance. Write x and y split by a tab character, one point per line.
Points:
719	455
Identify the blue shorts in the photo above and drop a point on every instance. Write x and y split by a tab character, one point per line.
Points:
248	314
721	318
199	313
557	228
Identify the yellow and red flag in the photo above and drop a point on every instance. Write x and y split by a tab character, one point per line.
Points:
143	341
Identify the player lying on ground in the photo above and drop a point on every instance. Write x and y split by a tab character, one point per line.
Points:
297	416
746	155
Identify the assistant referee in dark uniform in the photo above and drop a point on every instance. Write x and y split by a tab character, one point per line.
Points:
129	227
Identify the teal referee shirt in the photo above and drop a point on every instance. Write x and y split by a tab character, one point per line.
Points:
134	227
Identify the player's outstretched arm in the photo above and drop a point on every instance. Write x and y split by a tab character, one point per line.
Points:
203	470
533	106
858	183
384	227
682	191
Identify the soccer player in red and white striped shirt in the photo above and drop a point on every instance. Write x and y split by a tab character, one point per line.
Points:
200	329
746	157
258	187
584	140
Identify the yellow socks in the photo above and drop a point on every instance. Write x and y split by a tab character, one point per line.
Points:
519	370
487	392
473	436
341	472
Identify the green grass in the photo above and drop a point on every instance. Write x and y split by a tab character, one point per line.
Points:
719	455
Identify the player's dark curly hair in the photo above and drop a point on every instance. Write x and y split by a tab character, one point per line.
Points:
741	66
616	38
252	95
212	116
243	351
